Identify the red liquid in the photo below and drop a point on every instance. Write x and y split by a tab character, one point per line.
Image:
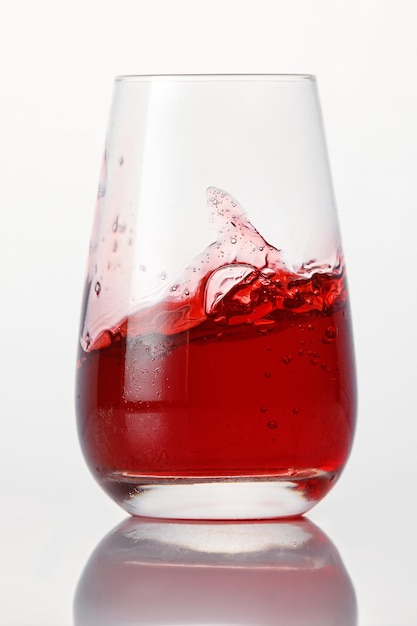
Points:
246	372
223	399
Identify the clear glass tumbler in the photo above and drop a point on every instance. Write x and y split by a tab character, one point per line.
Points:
215	376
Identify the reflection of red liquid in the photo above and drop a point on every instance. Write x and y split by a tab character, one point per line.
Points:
240	394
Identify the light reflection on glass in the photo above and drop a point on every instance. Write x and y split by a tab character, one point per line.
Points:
151	572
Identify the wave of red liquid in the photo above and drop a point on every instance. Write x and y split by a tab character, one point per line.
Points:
256	391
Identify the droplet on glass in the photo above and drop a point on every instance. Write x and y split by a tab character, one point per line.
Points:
97	288
263	409
163	275
267	374
286	359
272	424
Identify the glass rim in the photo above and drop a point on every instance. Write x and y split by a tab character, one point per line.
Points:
216	77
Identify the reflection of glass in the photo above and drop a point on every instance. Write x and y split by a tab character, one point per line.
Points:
262	574
215	374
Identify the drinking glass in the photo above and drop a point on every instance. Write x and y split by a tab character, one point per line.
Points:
215	376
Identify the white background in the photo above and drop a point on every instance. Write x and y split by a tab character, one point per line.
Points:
57	64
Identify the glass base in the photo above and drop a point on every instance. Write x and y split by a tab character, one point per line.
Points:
215	498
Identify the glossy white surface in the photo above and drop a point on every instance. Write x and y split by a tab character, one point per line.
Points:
57	63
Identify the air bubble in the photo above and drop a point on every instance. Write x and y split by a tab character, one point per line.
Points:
267	272
331	332
97	288
233	240
310	327
163	275
142	268
121	160
174	287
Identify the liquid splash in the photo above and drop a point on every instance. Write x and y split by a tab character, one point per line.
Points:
238	279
